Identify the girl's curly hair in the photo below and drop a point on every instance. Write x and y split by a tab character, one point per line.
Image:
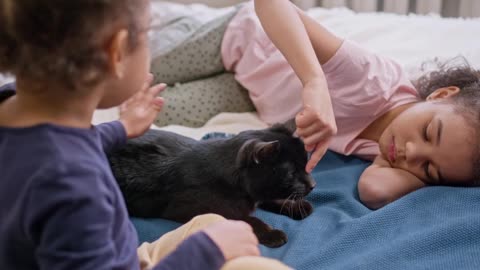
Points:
458	72
62	40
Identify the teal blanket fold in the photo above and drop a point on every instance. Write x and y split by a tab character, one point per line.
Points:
432	228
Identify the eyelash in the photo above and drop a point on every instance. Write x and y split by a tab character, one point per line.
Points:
425	137
425	166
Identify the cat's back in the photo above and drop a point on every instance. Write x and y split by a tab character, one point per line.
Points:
167	142
154	149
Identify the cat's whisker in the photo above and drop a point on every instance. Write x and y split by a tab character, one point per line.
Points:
303	211
284	202
297	200
291	208
299	206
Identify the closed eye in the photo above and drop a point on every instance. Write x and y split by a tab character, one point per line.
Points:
425	169
426	164
425	135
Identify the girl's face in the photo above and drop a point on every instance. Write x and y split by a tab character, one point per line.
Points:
132	69
431	141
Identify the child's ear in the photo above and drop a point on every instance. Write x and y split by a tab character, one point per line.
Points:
445	92
117	50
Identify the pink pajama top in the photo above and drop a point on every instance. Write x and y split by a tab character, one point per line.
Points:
362	85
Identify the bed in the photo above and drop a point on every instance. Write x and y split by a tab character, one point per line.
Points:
432	228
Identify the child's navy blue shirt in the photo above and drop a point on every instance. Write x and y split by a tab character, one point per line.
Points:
60	207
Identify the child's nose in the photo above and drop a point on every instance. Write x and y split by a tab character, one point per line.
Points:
416	153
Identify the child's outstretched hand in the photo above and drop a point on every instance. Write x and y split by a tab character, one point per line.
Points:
137	113
316	122
234	238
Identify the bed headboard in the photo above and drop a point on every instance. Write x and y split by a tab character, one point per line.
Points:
447	8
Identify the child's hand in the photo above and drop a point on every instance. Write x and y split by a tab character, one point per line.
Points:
234	238
138	113
316	122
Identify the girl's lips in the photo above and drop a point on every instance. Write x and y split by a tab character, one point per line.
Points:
392	151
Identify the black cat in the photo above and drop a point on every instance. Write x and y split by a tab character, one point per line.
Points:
166	175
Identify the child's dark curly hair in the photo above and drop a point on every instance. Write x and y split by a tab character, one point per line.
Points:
62	40
467	101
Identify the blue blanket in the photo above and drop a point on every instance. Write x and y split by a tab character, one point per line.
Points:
432	228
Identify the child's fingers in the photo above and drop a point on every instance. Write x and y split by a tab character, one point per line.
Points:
309	148
309	130
306	118
155	90
317	137
124	106
158	103
149	80
253	251
316	156
245	226
146	85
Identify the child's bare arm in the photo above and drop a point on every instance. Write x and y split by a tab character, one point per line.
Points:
286	26
381	184
324	42
286	30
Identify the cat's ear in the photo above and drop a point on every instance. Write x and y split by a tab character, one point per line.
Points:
256	151
287	128
291	125
265	150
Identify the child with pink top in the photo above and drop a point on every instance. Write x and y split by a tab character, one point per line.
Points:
355	102
344	98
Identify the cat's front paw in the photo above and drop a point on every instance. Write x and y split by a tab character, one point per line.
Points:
274	239
301	209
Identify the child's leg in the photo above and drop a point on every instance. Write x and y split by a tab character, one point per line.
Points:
261	68
197	56
150	254
192	104
257	263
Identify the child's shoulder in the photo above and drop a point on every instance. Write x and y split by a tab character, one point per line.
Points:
46	153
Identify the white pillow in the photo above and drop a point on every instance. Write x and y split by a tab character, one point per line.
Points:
409	39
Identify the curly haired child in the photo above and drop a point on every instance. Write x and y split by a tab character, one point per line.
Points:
60	207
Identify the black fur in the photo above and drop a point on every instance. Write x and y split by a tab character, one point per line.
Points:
163	174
